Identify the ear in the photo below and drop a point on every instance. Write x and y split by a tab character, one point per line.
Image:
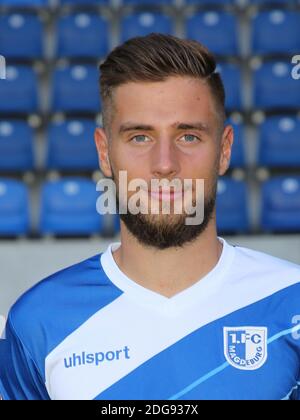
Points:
101	141
226	147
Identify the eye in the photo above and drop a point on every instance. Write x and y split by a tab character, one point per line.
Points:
190	138
141	138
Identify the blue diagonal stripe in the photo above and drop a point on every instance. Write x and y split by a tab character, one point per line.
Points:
283	333
225	365
199	381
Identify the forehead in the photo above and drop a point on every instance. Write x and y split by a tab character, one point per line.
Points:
175	98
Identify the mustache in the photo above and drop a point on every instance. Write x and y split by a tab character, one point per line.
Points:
157	185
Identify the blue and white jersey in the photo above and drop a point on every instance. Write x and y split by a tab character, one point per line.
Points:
91	333
2	391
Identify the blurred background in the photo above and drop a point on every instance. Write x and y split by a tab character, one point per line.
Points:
49	107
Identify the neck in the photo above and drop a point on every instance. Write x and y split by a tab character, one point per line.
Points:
172	270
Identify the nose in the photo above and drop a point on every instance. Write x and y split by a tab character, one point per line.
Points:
165	160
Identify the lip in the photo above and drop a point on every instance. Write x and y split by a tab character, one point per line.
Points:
166	195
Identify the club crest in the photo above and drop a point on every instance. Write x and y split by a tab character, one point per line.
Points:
245	348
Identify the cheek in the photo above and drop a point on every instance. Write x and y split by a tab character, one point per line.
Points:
125	159
202	163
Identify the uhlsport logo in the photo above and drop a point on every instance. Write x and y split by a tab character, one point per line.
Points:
245	348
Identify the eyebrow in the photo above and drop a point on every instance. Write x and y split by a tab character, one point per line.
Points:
178	126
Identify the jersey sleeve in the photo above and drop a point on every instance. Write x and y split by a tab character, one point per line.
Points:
297	392
3	395
21	379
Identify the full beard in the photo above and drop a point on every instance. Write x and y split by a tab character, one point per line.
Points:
168	231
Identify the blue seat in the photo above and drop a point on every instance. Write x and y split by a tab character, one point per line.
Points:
279	142
84	2
281	204
141	24
210	2
232	79
82	35
75	89
271	2
232	208
14	208
19	92
276	31
16	146
21	36
117	224
68	208
71	146
24	3
147	2
238	150
274	88
210	28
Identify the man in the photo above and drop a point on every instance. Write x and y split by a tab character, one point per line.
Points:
1	391
4	364
172	311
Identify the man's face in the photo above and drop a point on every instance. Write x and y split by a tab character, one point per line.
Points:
165	130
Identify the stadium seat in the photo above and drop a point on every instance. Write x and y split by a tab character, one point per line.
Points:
281	204
71	146
117	224
276	31
232	209
24	3
279	142
21	36
238	150
68	208
232	78
14	208
82	35
140	24
274	87
271	2
16	146
84	2
209	2
147	2
19	92
75	89
210	28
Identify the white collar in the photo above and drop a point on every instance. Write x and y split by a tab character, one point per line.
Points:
208	285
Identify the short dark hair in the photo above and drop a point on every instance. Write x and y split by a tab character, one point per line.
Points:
154	58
